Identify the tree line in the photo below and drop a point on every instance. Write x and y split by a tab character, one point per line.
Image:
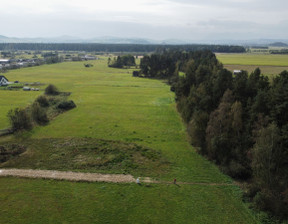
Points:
238	121
122	61
94	47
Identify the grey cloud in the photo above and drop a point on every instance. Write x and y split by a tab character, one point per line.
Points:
253	5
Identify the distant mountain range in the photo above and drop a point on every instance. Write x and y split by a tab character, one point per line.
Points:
119	40
100	40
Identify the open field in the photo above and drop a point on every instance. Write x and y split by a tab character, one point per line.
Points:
267	70
268	63
112	105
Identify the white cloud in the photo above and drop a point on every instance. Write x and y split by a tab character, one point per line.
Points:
187	17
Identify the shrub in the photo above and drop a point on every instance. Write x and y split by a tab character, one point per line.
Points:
66	105
51	90
39	114
43	101
19	119
136	73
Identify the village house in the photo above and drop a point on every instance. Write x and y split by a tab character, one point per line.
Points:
3	80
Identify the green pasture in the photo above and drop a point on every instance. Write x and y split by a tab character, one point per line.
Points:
270	64
253	59
48	201
112	105
266	70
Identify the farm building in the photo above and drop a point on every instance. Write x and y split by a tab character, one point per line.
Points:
88	57
3	81
4	61
236	72
26	88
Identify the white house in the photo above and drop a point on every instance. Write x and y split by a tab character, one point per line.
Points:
3	80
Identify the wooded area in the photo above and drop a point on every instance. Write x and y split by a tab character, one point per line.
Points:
238	121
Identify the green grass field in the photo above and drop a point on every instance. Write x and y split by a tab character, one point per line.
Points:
113	105
270	64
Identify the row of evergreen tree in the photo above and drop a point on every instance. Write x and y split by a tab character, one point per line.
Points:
238	121
94	47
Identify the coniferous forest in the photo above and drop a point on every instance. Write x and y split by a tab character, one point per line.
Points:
90	47
240	122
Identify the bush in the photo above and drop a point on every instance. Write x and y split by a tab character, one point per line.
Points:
19	119
39	114
66	105
51	90
43	101
136	73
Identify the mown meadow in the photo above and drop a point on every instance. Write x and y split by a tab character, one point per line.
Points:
113	105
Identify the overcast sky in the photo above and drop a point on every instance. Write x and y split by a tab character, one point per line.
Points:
154	19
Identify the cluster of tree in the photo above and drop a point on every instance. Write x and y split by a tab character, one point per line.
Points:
122	61
39	112
239	122
92	47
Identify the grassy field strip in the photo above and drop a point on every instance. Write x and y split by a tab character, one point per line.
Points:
267	70
49	201
253	59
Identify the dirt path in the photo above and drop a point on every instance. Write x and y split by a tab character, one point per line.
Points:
67	175
89	177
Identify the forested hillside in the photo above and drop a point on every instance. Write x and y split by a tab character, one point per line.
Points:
238	121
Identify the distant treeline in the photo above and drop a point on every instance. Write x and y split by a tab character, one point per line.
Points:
93	47
282	51
238	121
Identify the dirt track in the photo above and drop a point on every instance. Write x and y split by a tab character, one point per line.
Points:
89	177
67	175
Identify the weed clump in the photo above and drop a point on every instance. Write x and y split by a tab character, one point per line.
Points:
43	101
39	114
9	151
